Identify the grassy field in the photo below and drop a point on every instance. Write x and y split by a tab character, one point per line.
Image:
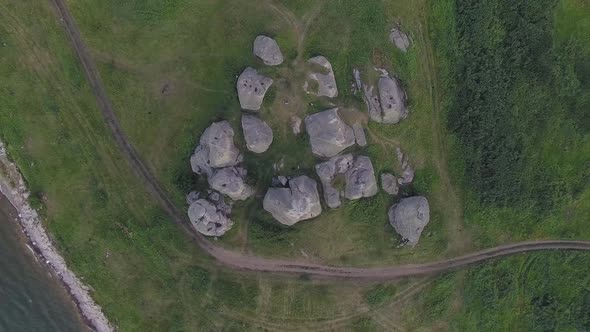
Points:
144	272
170	75
170	69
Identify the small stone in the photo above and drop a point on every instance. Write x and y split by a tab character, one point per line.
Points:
192	197
389	184
296	124
359	134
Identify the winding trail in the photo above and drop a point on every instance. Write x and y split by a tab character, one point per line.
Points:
240	261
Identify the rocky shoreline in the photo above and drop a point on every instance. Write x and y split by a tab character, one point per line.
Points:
12	185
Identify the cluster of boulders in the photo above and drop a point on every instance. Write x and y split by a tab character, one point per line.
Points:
342	176
390	105
217	158
359	178
209	215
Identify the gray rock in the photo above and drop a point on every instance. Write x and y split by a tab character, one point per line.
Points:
192	197
257	133
296	124
207	220
327	171
251	88
409	217
399	39
389	184
301	201
393	100
219	201
216	149
326	81
283	180
407	171
230	181
360	179
268	50
359	134
328	134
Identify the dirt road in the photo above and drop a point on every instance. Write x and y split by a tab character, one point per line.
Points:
244	262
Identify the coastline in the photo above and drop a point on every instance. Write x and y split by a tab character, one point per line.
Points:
13	187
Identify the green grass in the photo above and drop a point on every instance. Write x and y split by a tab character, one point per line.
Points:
543	192
170	67
536	292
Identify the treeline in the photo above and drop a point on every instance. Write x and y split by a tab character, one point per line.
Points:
511	83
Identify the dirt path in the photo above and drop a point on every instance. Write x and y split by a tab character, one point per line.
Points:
459	238
239	261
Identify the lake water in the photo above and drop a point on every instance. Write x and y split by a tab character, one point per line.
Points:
30	298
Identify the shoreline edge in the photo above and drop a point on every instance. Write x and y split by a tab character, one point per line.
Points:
13	187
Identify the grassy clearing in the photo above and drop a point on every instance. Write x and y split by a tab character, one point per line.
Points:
167	92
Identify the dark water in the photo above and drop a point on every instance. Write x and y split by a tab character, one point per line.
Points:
30	298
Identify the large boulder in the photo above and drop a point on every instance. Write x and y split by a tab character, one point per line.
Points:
268	50
230	181
360	179
216	149
301	201
409	217
327	171
251	88
358	175
325	80
206	218
399	38
393	100
257	133
328	134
